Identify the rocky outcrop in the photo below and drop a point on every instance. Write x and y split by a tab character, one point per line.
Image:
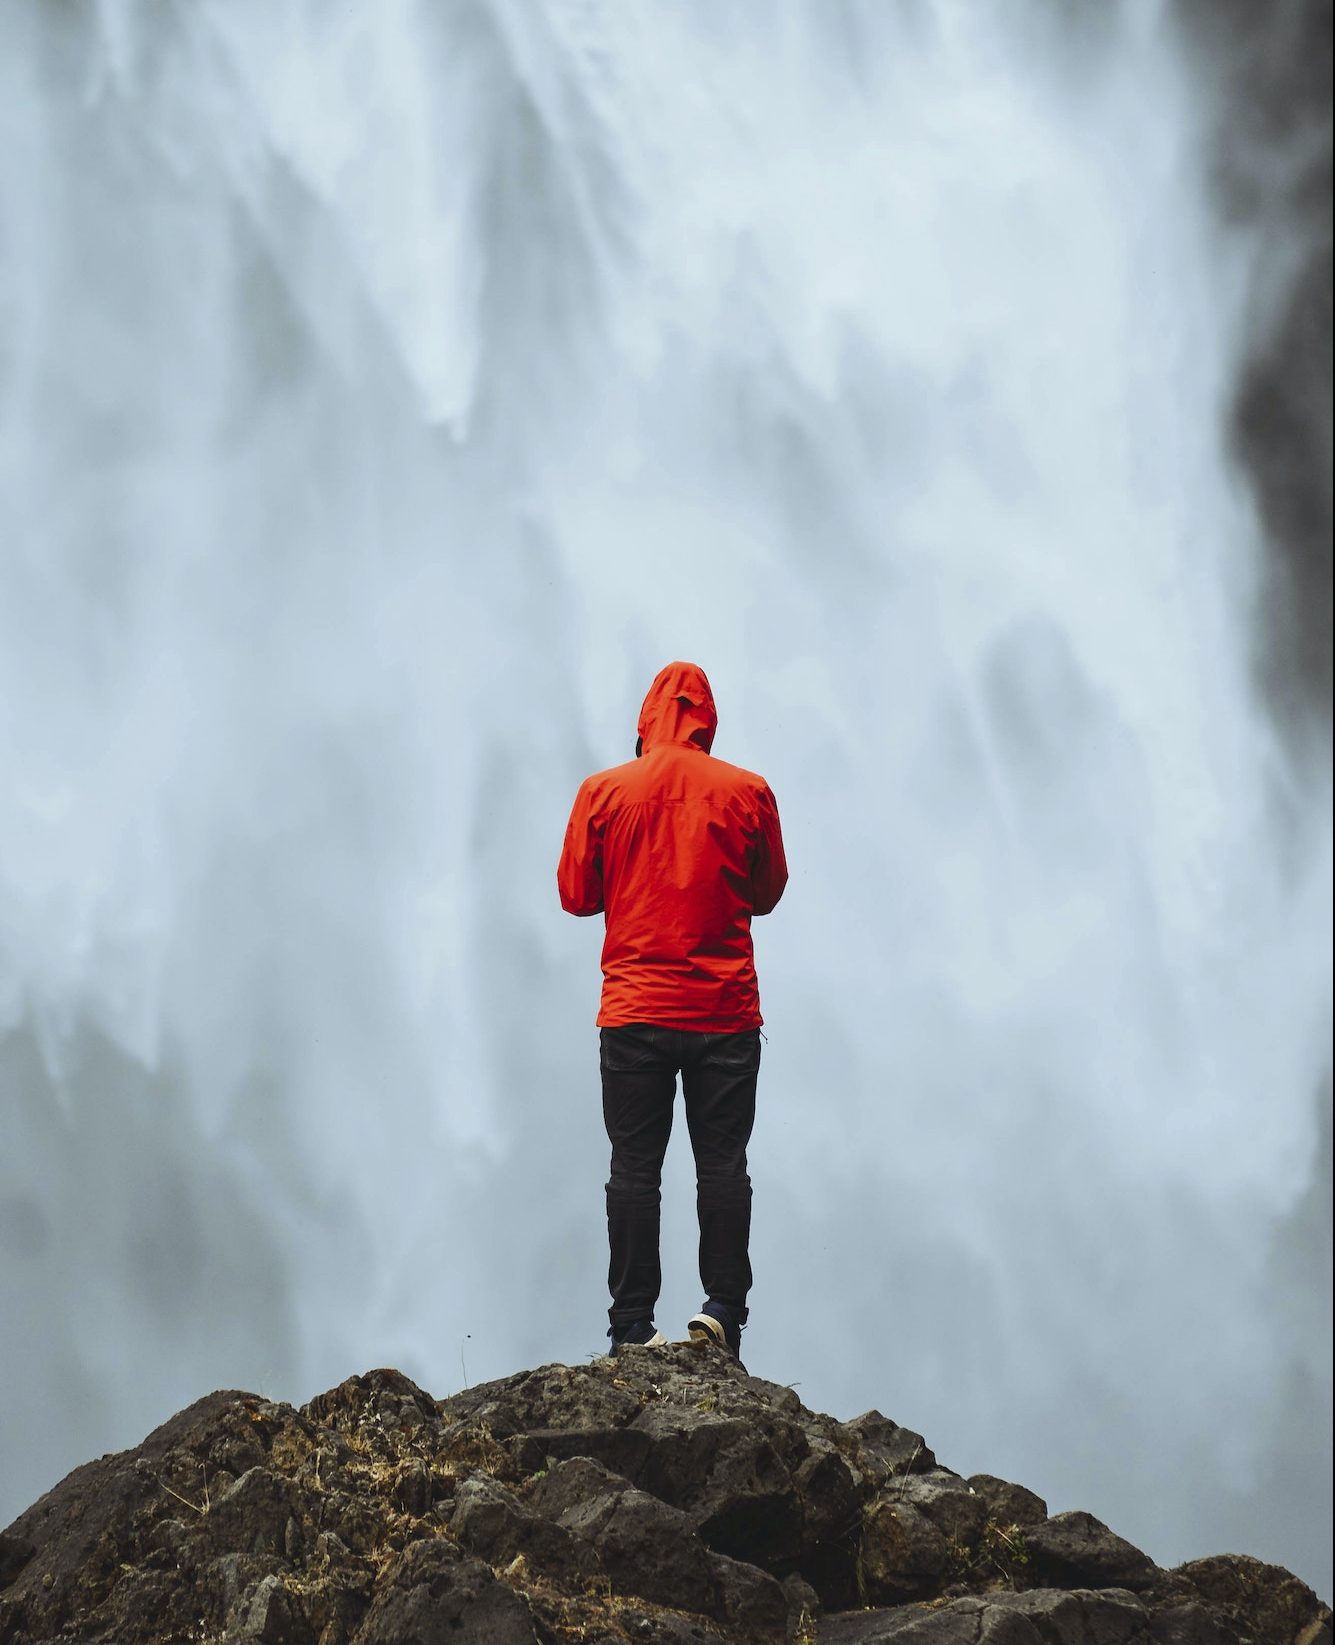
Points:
664	1497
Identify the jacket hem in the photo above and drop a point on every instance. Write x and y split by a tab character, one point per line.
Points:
734	1024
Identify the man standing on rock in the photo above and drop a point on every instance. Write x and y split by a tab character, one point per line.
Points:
678	850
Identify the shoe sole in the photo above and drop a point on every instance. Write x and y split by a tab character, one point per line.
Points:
704	1328
707	1331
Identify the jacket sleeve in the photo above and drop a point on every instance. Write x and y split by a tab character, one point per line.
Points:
769	872
579	877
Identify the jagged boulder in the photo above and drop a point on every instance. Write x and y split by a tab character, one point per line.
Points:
1076	1550
665	1497
1244	1600
1008	1504
433	1595
1035	1618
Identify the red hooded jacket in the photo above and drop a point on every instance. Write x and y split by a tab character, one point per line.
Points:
678	850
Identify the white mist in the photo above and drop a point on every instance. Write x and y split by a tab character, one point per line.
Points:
386	393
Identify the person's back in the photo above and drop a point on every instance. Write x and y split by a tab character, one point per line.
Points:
679	850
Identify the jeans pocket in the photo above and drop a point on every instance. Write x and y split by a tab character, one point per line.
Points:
631	1050
739	1053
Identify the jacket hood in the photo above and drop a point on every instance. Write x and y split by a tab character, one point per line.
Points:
679	708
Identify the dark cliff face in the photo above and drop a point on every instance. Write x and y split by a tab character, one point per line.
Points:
1267	70
664	1496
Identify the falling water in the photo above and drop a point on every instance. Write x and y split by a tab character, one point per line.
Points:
386	392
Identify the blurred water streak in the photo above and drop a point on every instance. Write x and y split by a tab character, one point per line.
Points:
386	392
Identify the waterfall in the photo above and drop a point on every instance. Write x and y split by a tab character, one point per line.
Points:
386	392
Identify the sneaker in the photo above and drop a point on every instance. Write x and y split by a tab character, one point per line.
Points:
719	1325
640	1335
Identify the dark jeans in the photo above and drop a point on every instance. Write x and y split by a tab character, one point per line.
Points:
639	1066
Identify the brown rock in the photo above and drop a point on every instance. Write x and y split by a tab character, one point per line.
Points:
886	1449
1008	1504
1250	1600
903	1555
436	1596
1075	1550
715	1508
